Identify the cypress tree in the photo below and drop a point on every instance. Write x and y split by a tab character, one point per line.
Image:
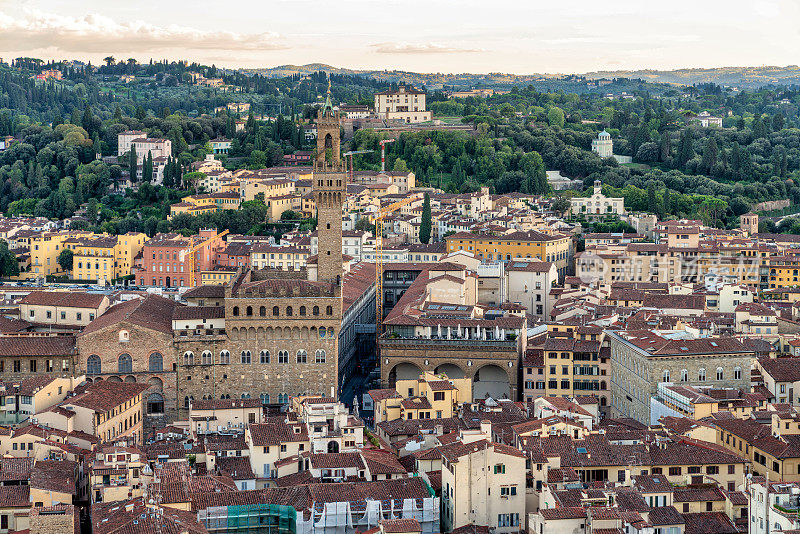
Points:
425	226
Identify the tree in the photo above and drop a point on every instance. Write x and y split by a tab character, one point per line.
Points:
560	205
109	60
712	210
710	152
652	199
133	164
8	262
65	259
425	225
685	148
555	117
648	152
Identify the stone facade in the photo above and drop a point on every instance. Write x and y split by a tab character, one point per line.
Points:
635	375
281	340
151	358
493	365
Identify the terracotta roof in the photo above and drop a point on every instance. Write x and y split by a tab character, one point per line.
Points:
152	312
104	396
275	433
15	496
183	313
225	404
708	523
37	345
398	526
72	299
54	475
237	467
571	512
665	515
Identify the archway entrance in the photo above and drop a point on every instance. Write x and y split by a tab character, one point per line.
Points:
450	370
403	371
490	380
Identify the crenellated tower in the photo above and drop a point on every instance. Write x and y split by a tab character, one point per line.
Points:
329	187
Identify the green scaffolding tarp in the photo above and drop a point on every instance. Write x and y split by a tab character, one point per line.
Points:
266	518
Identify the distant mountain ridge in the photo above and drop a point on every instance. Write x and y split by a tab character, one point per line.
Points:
731	76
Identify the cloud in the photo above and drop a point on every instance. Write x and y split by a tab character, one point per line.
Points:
420	48
97	33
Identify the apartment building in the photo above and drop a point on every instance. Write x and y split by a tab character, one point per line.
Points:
483	483
104	258
172	260
516	245
640	359
429	396
66	309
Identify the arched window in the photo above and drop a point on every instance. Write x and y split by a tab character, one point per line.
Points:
265	398
188	358
737	373
283	398
207	357
302	356
249	311
155	403
684	375
315	310
283	356
701	374
276	311
93	365
186	402
720	373
322	331
289	311
262	311
236	311
124	363
302	311
224	356
319	356
156	363
330	331
329	310
245	395
264	358
246	356
665	376
124	336
603	384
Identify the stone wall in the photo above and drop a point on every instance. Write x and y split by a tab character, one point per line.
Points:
142	343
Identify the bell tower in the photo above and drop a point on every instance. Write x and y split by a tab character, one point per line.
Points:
329	186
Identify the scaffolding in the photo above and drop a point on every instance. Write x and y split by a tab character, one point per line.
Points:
250	519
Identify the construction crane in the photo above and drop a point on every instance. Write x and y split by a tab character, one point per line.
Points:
192	258
354	153
379	218
383	144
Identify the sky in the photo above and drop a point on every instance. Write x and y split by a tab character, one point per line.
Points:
448	36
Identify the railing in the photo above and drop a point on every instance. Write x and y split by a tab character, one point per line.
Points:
487	343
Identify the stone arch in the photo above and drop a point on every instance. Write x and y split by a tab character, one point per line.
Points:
130	378
403	371
155	383
451	370
491	380
287	333
251	334
114	379
295	333
268	333
234	334
313	332
260	333
304	333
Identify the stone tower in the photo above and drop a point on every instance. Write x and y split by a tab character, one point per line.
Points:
329	187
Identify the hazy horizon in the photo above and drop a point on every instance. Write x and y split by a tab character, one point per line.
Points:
573	36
